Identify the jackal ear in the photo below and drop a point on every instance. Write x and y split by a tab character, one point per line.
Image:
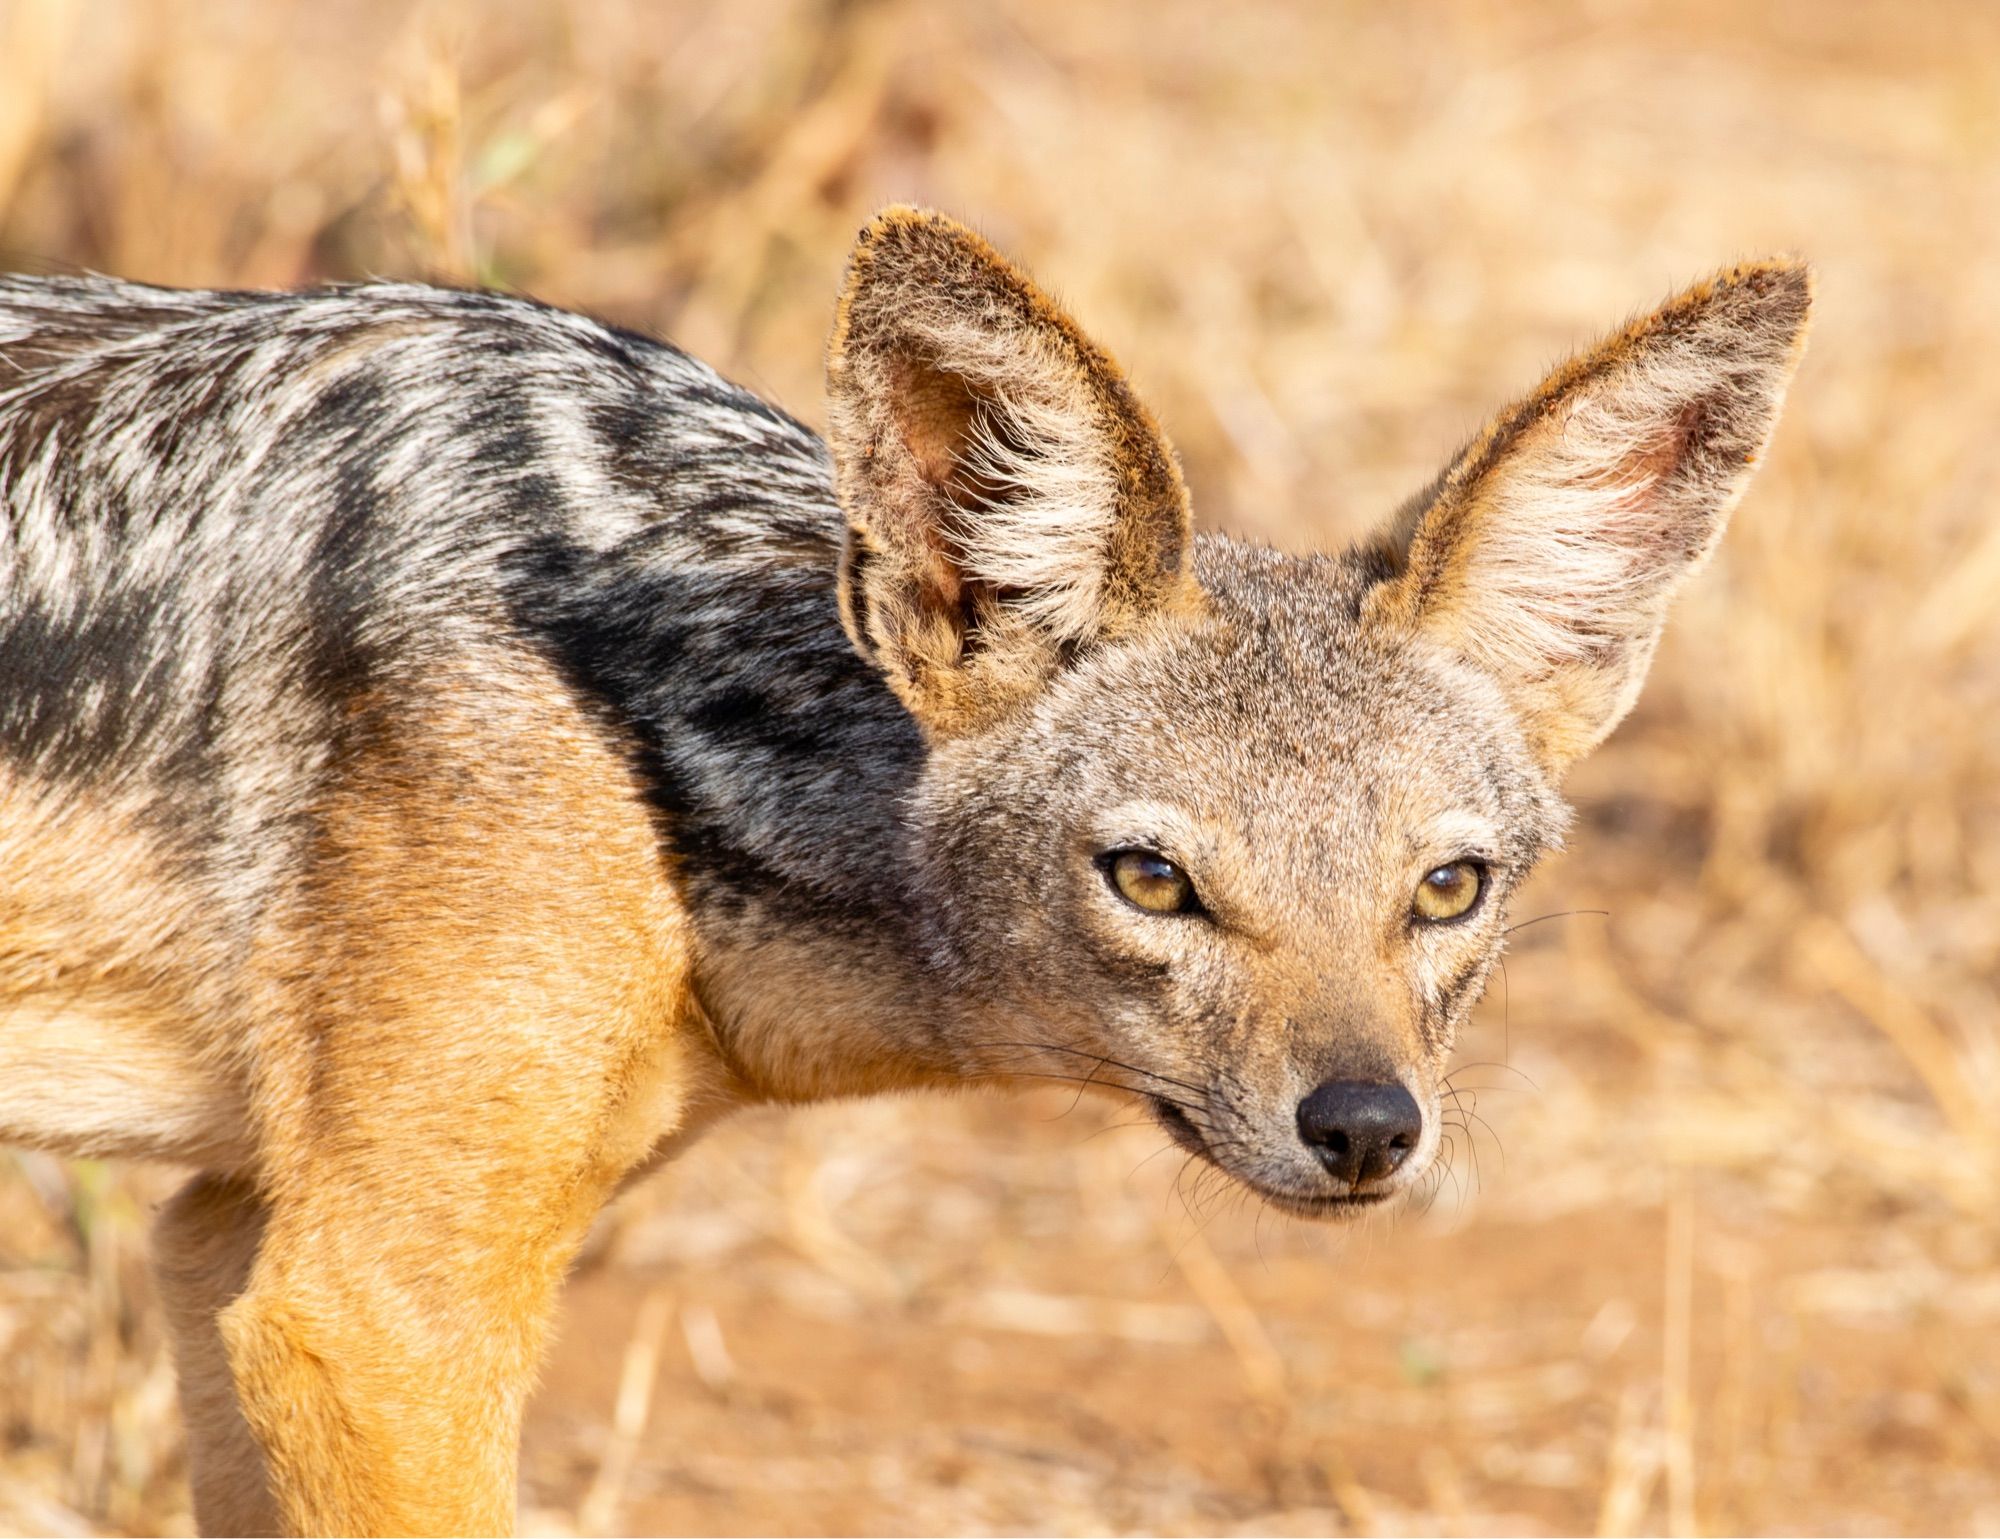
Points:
1547	552
1008	499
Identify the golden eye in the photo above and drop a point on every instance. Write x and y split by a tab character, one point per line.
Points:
1449	892
1151	882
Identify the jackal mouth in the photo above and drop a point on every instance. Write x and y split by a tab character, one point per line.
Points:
1180	1128
1333	1205
1323	1206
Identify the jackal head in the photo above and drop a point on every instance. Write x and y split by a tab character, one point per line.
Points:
1232	830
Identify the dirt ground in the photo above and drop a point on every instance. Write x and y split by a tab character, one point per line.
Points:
1718	1249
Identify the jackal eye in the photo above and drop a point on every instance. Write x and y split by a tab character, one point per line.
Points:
1151	882
1449	892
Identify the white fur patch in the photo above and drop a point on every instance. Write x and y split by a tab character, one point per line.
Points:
1038	446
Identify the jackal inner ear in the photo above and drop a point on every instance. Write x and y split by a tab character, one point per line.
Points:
1008	499
1548	551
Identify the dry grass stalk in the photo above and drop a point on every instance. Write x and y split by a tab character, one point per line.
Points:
1677	1344
639	1373
1234	1315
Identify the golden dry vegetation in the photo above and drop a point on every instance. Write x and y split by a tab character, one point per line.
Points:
1720	1245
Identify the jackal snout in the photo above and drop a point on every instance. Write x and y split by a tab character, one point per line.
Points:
1320	1117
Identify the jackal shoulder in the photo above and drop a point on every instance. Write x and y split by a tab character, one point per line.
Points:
227	521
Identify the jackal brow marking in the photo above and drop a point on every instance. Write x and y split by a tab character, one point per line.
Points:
451	751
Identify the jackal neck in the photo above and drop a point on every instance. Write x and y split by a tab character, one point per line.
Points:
778	764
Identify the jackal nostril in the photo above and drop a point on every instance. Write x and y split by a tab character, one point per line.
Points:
1362	1130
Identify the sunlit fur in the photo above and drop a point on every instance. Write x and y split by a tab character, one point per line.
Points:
452	750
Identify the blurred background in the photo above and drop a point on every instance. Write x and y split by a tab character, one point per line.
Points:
1719	1246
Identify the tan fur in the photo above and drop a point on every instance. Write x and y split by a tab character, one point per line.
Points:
386	1340
109	1048
383	1342
204	1246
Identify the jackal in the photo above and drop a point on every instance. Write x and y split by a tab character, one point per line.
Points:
452	751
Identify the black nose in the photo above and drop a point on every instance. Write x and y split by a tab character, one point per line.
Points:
1360	1129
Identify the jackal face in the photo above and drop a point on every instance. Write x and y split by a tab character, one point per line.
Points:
1231	830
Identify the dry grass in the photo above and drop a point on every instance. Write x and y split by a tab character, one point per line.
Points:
1740	1268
